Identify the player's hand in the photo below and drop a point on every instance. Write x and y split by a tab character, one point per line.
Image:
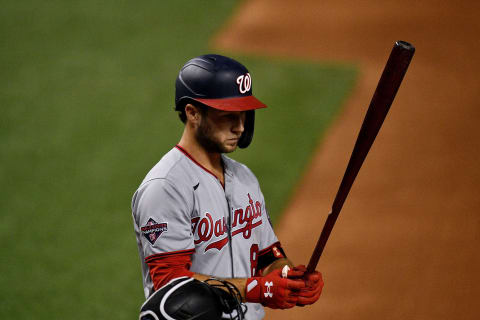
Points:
274	291
313	286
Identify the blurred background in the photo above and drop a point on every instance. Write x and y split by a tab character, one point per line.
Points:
86	100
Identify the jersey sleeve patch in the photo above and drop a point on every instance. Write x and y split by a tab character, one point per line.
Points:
153	230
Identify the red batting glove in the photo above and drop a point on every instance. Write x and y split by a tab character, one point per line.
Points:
273	291
313	286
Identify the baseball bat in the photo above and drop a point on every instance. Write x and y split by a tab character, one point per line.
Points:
382	99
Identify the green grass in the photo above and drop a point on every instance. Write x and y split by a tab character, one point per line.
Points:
86	100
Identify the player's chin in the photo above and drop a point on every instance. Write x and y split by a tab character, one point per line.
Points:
230	145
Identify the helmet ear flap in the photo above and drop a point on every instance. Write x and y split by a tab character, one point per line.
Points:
247	135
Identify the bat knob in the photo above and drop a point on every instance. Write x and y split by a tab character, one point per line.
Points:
405	45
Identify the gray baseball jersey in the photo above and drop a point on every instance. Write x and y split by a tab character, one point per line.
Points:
182	207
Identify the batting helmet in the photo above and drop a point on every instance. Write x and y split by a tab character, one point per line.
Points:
218	82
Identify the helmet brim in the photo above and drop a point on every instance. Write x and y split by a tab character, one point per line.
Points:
233	104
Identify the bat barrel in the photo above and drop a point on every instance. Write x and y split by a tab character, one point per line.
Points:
382	99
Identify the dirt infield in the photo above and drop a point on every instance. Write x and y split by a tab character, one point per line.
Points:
406	245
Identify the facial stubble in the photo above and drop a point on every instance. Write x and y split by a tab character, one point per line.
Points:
205	137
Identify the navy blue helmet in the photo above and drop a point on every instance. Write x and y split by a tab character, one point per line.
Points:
218	82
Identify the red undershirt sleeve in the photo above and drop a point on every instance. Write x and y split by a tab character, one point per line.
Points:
167	266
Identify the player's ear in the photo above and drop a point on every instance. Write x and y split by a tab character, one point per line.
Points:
193	113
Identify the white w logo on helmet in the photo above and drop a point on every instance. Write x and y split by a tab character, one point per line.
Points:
244	82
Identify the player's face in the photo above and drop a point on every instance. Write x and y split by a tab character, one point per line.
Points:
219	131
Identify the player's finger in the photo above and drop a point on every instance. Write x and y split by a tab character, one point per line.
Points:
295	284
291	300
285	304
300	267
313	279
308	300
315	286
295	274
307	293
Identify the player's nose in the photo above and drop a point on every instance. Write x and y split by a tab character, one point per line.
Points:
239	123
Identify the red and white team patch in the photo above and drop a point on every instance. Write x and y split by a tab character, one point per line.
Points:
153	230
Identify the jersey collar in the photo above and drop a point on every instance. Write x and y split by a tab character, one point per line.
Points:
225	170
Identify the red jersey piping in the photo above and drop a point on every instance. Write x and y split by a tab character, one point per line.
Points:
198	163
166	254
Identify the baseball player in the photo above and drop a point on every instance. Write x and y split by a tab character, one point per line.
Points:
200	215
